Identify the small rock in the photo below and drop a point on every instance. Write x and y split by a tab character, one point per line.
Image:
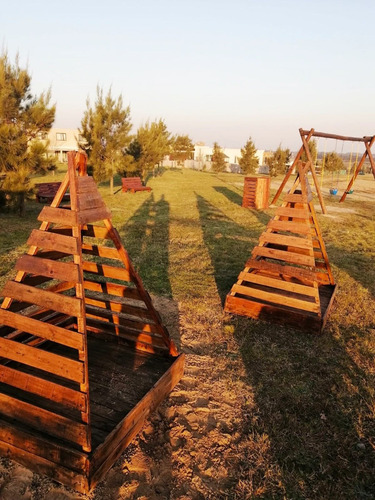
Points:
361	446
201	403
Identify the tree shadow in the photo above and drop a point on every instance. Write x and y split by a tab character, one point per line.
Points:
228	243
313	403
230	194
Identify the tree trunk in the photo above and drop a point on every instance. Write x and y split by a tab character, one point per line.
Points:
111	184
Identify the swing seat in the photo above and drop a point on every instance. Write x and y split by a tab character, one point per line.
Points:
351	191
333	191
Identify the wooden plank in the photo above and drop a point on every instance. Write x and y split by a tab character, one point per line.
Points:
138	326
127	429
88	201
43	298
276	298
119	307
40	465
289	226
43	420
41	329
53	241
96	232
50	390
295	198
113	289
44	360
58	216
86	184
281	239
107	271
278	283
271	253
296	213
296	272
93	215
64	271
100	251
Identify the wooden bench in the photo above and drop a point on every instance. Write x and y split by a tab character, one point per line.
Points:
46	191
133	184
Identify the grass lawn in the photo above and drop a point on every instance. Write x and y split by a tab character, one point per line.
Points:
263	410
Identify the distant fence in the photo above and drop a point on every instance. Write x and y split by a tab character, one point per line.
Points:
207	166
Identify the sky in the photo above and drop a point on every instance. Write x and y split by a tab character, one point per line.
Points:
216	70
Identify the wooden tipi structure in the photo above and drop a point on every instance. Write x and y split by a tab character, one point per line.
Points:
288	278
84	355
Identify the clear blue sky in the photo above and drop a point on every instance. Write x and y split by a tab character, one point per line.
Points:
216	70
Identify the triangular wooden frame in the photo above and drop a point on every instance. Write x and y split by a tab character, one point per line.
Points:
55	414
288	278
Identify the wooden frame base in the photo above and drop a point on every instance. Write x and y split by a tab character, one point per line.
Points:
245	306
67	463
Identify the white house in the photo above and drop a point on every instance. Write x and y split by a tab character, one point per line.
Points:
62	140
203	153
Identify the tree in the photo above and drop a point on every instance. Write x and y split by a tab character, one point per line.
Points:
313	147
248	161
218	159
24	117
149	147
333	162
106	132
182	148
278	162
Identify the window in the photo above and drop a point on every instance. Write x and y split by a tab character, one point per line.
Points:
60	136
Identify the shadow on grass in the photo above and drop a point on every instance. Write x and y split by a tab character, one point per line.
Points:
231	194
228	243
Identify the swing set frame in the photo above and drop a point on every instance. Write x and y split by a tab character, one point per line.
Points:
306	135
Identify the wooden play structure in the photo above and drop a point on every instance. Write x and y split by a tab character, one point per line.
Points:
288	278
46	191
85	356
133	184
256	192
306	135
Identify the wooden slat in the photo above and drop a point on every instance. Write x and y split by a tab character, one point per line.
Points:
289	226
64	271
41	329
281	239
53	241
296	213
43	298
89	201
86	184
43	420
100	251
295	198
138	326
275	298
50	390
278	283
113	289
37	358
119	307
58	216
96	232
271	253
296	272
93	215
107	271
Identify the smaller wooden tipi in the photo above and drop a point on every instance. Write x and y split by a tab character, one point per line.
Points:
288	278
85	356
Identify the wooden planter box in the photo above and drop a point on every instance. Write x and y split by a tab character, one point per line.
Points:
256	192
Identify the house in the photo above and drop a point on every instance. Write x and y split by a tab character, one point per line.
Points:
203	153
62	140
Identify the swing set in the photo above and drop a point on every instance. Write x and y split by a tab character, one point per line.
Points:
306	136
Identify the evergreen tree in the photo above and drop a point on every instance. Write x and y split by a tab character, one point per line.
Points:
333	162
150	146
278	162
106	132
218	159
248	161
23	119
182	148
313	147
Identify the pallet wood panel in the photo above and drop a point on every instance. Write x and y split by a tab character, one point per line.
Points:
64	271
53	241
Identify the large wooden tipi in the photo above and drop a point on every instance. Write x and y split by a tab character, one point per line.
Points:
84	354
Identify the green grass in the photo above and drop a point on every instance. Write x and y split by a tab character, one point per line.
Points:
306	426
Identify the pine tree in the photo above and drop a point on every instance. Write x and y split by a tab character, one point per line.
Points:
23	119
248	161
278	162
105	128
218	159
182	148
